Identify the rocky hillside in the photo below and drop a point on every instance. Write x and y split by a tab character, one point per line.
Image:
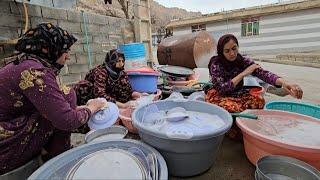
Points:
163	15
160	14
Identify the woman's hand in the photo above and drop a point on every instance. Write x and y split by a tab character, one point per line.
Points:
136	95
250	69
293	89
96	104
130	104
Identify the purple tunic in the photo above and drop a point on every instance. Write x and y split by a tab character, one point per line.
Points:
35	112
223	72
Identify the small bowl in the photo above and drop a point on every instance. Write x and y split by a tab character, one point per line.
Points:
257	91
125	116
282	167
101	135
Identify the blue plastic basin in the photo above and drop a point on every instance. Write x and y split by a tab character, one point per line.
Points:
143	82
296	107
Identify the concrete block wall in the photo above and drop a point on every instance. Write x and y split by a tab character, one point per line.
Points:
103	34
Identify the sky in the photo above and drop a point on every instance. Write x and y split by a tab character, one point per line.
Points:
211	6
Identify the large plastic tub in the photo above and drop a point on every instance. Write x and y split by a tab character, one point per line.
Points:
297	107
185	157
281	133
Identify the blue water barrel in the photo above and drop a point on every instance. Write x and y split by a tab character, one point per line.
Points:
135	54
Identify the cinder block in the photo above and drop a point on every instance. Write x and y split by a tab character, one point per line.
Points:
94	47
82	38
72	60
8	32
74	16
60	14
97	19
100	38
77	47
37	20
5	7
91	28
82	58
114	22
107	29
100	58
72	27
9	20
78	68
33	10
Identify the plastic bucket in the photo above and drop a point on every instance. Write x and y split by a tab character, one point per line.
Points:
135	55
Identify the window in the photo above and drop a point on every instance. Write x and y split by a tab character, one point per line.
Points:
198	27
250	27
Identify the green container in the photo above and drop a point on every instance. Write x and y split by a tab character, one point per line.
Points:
296	107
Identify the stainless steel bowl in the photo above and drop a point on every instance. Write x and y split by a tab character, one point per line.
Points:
284	168
111	133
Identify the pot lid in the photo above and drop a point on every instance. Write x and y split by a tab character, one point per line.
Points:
176	70
280	127
106	164
105	117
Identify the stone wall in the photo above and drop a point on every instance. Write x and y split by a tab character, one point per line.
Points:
103	34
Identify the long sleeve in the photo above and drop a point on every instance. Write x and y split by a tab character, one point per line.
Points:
220	83
262	74
42	90
100	83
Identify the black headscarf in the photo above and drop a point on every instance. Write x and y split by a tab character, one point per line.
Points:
111	60
46	41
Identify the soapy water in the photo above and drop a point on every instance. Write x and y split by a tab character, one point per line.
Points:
297	131
197	122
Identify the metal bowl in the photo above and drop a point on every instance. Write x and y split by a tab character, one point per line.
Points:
284	168
111	133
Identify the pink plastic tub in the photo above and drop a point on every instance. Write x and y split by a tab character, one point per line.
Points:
281	133
125	115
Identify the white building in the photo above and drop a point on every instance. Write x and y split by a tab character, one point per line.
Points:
286	27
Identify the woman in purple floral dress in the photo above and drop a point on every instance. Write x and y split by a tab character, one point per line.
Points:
36	112
227	71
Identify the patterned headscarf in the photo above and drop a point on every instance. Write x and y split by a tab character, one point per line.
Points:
46	41
111	60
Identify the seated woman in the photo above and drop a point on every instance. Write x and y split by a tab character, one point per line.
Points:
108	80
35	111
227	71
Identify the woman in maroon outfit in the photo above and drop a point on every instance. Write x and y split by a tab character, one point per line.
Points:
36	112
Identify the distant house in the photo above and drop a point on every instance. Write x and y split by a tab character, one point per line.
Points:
291	26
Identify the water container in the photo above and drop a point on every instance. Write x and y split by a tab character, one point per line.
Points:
190	50
135	55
